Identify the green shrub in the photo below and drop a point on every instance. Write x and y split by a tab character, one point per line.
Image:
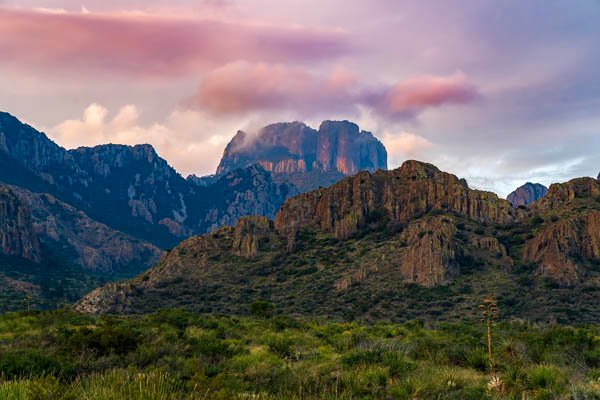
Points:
545	377
262	309
31	362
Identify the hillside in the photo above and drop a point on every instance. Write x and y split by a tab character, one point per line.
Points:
410	243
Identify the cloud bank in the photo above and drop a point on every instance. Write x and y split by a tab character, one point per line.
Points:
242	87
146	45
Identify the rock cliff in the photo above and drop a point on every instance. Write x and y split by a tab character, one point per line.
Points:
84	242
17	233
402	194
527	194
431	254
291	150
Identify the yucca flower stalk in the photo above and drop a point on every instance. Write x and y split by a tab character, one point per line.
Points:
489	312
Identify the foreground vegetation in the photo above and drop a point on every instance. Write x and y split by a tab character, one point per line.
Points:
179	355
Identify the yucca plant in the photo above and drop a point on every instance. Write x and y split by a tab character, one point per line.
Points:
489	313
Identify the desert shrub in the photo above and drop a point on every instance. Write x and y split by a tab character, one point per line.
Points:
477	359
32	362
262	309
110	338
545	377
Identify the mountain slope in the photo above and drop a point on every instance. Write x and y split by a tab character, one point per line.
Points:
527	194
410	243
86	243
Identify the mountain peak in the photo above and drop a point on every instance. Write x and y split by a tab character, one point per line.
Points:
287	148
527	194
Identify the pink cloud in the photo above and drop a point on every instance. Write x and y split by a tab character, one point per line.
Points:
143	45
408	98
242	87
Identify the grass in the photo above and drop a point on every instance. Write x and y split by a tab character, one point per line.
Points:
177	354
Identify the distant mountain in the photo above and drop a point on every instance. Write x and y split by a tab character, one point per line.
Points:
82	241
132	189
409	243
55	253
298	154
245	191
527	194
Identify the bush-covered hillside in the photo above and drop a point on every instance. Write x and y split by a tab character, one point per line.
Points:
180	355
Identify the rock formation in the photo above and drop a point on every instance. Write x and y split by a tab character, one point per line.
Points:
17	233
431	254
560	248
291	150
84	242
133	190
403	194
527	194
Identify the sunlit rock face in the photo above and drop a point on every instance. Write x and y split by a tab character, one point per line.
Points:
309	158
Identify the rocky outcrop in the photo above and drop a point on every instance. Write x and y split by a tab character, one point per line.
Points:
341	146
17	233
294	149
402	195
561	195
527	194
560	249
431	252
83	241
249	232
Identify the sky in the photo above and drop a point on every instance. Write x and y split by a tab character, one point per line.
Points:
499	92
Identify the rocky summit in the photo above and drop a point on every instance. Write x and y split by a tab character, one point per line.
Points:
527	194
309	158
410	242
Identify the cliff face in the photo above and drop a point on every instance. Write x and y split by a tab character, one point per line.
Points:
403	194
569	240
431	255
561	248
17	234
527	194
567	195
135	183
294	149
84	242
35	152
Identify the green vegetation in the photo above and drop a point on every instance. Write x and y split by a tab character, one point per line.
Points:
358	279
53	282
177	354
